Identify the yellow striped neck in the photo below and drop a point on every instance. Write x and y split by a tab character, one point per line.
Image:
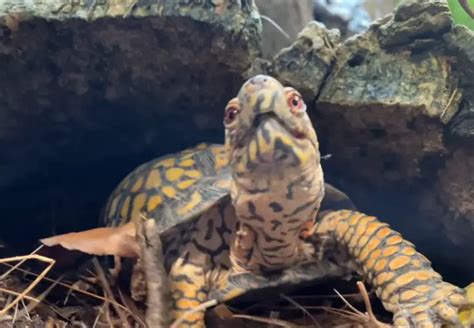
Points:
272	211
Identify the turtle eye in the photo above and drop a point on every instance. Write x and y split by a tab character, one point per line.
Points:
231	113
296	104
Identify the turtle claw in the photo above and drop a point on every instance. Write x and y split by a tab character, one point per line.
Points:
440	308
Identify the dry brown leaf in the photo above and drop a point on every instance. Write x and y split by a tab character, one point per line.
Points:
116	241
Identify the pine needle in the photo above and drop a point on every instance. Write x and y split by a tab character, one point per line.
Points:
278	27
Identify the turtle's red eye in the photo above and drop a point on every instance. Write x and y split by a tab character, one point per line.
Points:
231	113
296	104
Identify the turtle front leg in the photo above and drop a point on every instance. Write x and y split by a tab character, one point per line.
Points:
403	278
188	290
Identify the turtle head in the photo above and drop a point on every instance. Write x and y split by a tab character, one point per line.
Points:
267	126
277	183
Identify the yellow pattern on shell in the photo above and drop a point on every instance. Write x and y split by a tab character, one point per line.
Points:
125	207
193	173
113	206
195	200
138	204
153	202
174	173
183	185
153	180
187	163
169	191
137	185
169	162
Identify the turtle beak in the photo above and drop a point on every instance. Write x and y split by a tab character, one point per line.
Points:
262	117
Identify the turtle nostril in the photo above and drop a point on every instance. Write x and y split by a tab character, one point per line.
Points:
259	80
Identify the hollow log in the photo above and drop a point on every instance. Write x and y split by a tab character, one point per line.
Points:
91	89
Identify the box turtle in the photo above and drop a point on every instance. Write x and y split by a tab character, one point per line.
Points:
252	214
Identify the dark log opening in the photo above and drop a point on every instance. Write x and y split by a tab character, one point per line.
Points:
83	103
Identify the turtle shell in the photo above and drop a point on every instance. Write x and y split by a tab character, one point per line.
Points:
171	189
177	187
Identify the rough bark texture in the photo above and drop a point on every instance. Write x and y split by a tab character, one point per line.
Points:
396	113
90	89
309	59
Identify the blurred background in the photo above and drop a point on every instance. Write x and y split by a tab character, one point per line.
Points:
349	16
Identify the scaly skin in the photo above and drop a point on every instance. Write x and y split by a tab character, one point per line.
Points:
265	233
403	278
277	181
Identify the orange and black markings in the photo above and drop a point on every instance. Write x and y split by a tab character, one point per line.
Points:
197	257
277	180
172	183
240	216
403	278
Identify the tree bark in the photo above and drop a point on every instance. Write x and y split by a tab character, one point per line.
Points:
394	108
